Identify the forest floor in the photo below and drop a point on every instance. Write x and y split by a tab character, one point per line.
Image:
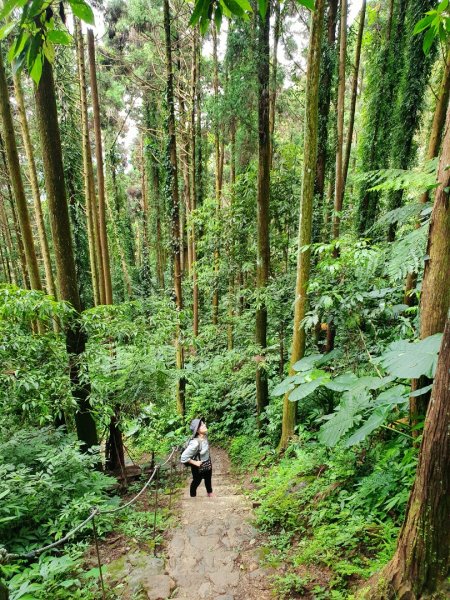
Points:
210	552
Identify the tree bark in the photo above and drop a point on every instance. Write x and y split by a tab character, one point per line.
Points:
175	208
89	186
435	297
273	86
45	250
218	179
100	171
62	244
421	560
339	190
194	180
325	89
15	173
306	206
263	250
354	95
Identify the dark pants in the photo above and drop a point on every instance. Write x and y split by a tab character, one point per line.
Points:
197	479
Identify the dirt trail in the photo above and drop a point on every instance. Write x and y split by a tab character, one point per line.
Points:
212	555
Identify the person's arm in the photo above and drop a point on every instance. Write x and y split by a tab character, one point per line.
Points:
188	455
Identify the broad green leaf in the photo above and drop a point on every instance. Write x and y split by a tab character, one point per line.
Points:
346	416
58	36
6	29
307	362
198	11
83	11
428	40
49	51
394	395
9	6
36	70
307	4
423	23
377	418
262	5
235	8
305	389
284	386
341	383
245	5
409	360
421	391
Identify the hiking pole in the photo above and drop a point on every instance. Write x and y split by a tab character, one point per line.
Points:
94	528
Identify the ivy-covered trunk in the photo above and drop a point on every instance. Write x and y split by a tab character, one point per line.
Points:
306	209
63	248
263	252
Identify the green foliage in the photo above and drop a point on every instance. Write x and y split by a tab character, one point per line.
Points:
36	31
47	487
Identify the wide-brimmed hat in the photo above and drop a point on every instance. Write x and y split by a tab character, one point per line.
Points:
195	424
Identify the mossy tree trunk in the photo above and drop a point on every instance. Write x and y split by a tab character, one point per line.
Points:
63	248
15	174
306	209
263	249
175	205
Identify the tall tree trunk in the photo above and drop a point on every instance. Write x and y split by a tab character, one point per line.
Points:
175	208
421	560
8	243
218	182
434	145
194	180
306	209
263	251
100	171
62	244
89	186
16	180
435	297
328	59
339	190
354	95
45	250
273	84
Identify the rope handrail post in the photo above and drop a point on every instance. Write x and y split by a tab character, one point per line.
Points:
156	510
99	562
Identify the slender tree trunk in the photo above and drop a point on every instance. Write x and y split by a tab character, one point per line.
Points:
62	244
8	243
421	560
328	54
89	188
16	180
218	182
16	228
306	206
263	251
120	250
106	269
354	95
435	297
194	181
273	85
339	190
45	250
175	208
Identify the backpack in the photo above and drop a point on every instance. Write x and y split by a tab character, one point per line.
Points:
183	448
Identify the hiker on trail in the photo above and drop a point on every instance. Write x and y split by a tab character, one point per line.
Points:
197	455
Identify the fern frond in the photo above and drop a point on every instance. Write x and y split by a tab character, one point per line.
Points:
407	254
419	179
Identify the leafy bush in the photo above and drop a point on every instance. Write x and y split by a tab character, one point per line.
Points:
47	487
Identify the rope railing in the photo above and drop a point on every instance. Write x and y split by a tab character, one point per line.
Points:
95	511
